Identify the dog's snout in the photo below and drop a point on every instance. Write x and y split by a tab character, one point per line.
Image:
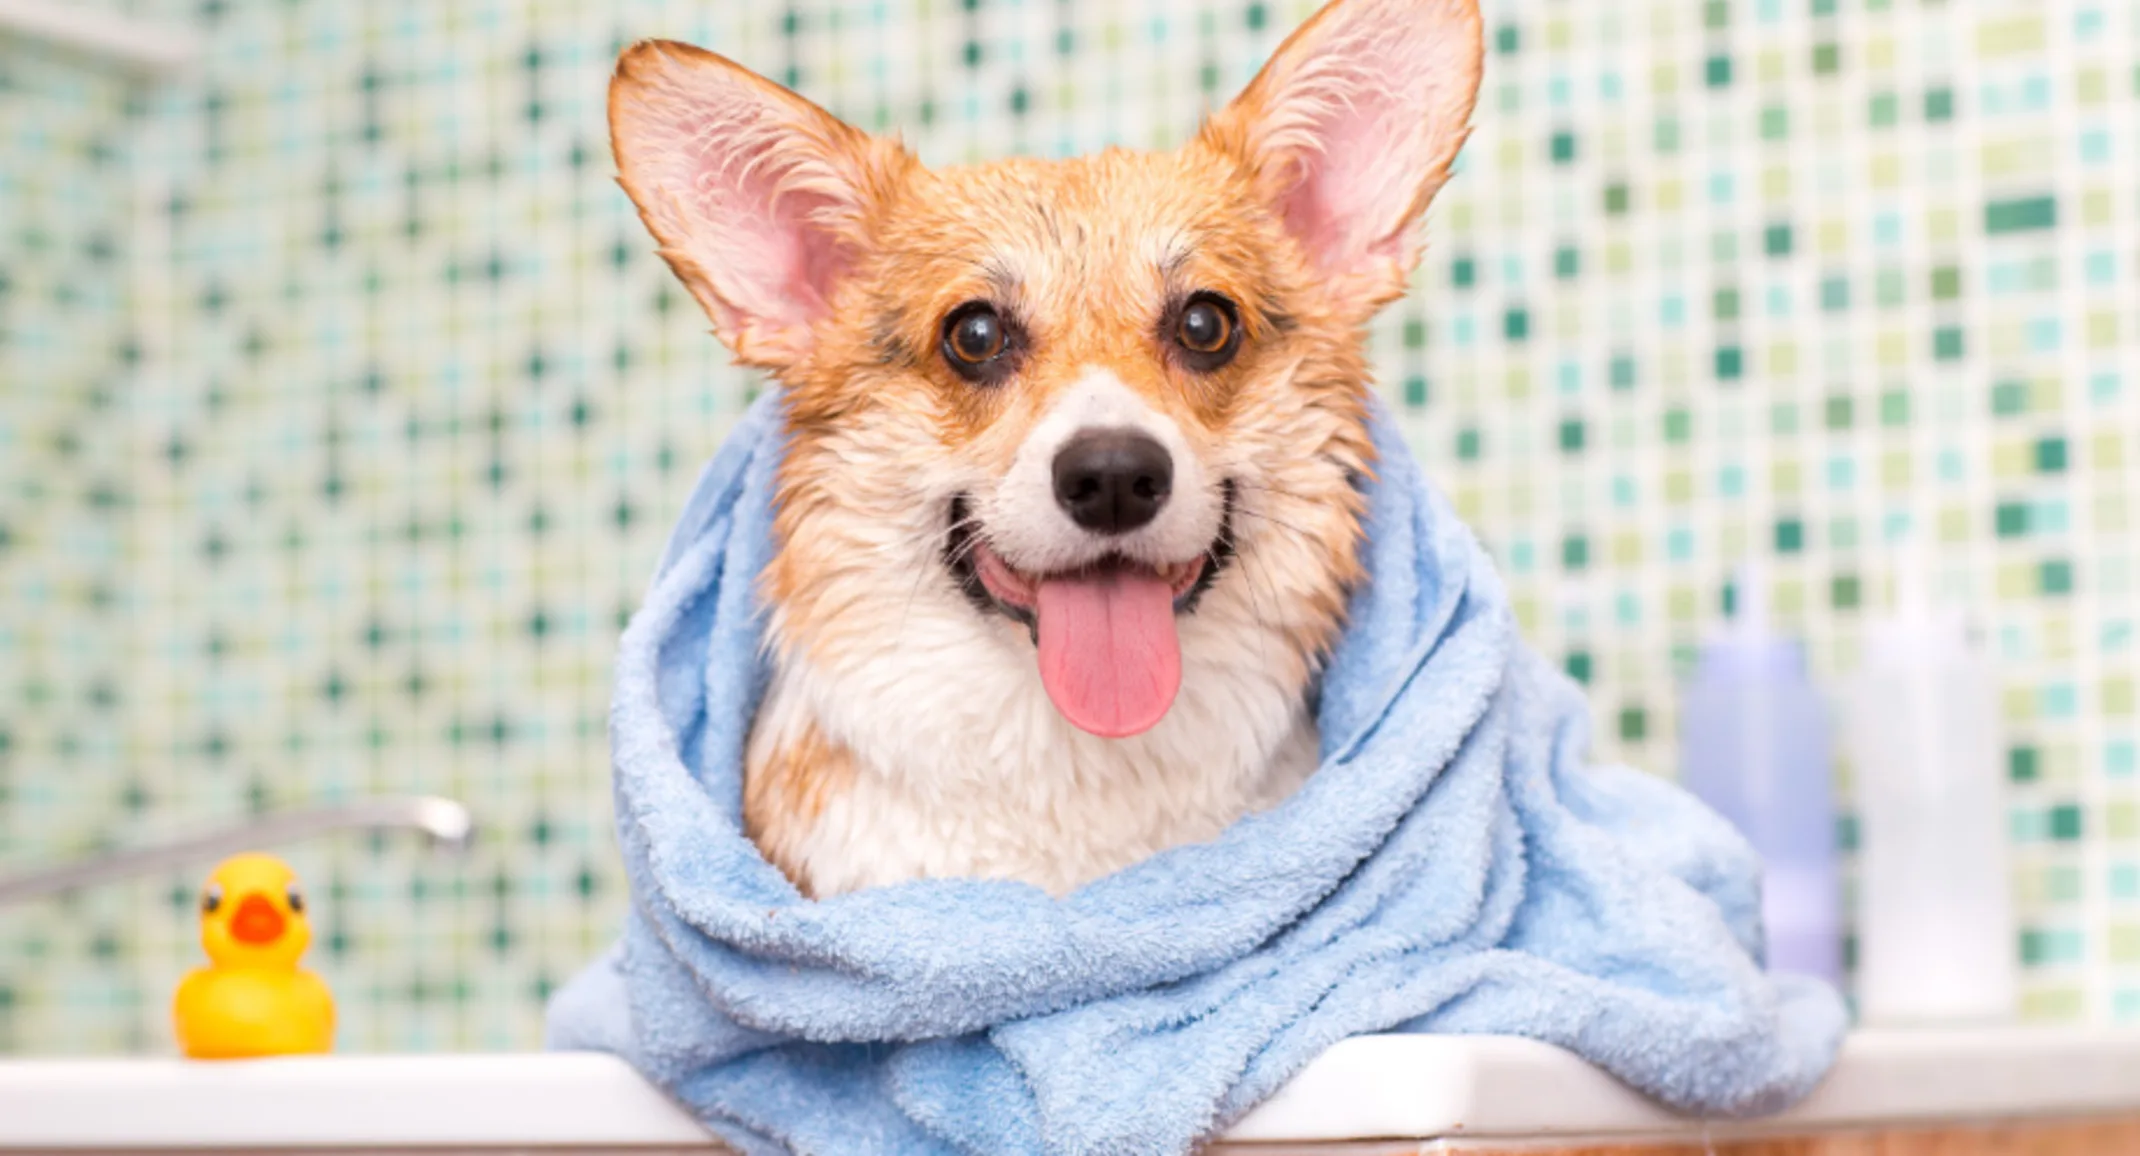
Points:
1112	481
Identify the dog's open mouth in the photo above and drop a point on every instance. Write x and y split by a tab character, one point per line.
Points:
1110	654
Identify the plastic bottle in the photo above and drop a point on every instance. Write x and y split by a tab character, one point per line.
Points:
1754	745
1935	905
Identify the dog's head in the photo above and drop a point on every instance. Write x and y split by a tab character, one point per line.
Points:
1078	401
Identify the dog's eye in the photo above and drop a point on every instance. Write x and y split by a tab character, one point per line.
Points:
1208	331
974	336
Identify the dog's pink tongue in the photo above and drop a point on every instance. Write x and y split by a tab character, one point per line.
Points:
1108	653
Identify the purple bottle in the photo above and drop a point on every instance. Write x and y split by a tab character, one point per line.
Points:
1754	745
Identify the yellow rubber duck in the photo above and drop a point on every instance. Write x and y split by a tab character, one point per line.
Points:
252	999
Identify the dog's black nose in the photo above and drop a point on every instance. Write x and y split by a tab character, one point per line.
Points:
1112	481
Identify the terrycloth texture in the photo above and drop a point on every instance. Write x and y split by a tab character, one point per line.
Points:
1452	867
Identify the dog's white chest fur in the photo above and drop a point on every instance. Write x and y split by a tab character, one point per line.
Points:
961	767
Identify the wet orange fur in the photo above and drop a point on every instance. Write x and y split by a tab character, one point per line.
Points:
1087	255
791	781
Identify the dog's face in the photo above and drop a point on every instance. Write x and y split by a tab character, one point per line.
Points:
1083	400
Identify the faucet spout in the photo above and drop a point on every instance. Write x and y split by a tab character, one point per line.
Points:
444	822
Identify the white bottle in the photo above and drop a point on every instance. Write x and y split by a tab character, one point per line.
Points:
1936	940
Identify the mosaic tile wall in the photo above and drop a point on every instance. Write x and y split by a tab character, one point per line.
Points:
343	407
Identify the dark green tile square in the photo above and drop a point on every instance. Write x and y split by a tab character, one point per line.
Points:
1947	343
1724	304
1463	272
1776	240
1507	40
1415	391
1790	536
1577	664
1622	372
1827	59
2065	825
1571	436
1467	445
1567	262
1946	283
1634	724
2051	455
2010	519
1415	333
1562	147
2020	214
1616	199
1716	73
1939	104
1843	592
1716	13
2035	947
1838	412
1730	362
1516	325
1575	552
2021	763
2055	577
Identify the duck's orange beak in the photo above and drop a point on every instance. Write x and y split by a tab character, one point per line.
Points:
256	922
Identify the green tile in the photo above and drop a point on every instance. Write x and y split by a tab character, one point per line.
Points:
1678	425
1571	436
2011	520
1729	363
1790	536
2020	214
2021	764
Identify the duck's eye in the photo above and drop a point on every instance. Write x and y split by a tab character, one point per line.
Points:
211	899
296	898
1208	331
975	337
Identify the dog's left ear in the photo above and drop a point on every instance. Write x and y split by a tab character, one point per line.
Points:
1350	130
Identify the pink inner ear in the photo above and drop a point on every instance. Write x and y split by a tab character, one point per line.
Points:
1366	115
1354	189
760	229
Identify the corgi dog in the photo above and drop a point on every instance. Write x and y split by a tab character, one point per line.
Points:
1070	504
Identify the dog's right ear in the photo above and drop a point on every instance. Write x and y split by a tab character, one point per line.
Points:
758	197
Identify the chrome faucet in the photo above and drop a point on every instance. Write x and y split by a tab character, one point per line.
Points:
444	822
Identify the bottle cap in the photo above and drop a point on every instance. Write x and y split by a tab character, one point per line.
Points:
1747	643
1916	630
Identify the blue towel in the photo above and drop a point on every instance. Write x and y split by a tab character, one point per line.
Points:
1453	866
